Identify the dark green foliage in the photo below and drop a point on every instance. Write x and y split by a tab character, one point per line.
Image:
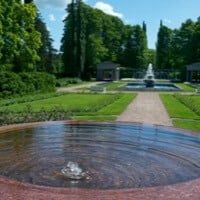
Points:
46	51
163	47
67	81
28	115
43	82
134	51
91	37
19	40
179	47
12	84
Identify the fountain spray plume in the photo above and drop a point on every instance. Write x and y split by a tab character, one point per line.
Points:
149	79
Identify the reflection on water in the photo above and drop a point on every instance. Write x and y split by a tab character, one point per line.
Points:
114	155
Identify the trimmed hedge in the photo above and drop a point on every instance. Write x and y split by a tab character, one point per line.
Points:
12	84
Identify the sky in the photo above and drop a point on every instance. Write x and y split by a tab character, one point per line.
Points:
172	12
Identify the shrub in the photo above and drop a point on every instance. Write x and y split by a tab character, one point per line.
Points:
42	82
66	81
12	84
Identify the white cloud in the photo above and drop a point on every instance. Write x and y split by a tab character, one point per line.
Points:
52	3
52	18
108	9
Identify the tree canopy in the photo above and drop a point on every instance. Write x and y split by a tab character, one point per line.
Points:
91	36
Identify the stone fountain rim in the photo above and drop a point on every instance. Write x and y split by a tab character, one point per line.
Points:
12	127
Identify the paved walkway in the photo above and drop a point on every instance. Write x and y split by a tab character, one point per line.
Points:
146	108
77	88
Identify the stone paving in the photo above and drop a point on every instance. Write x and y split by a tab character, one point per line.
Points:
146	108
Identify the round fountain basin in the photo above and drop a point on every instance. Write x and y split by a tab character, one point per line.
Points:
155	86
115	155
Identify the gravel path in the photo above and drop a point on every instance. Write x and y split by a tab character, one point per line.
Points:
146	108
77	88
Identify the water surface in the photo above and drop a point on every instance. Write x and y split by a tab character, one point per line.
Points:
115	156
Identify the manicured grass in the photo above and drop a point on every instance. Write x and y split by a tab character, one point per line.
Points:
195	99
100	107
70	102
182	116
118	106
176	109
186	87
114	85
192	125
96	118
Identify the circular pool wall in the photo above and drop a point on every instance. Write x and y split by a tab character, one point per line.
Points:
142	86
114	155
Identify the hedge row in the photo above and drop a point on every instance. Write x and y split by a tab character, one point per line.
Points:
62	82
27	115
12	84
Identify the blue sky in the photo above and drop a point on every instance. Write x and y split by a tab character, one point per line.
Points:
171	12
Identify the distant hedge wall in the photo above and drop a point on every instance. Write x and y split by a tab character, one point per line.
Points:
12	84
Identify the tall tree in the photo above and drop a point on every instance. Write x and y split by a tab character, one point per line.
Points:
135	47
69	42
20	39
182	48
163	47
46	50
196	43
1	29
80	38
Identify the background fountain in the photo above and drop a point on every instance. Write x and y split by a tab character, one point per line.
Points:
149	83
149	79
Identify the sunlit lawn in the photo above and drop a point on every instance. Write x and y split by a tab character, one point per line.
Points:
182	116
83	106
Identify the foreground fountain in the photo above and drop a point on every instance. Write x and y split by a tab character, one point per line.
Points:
98	161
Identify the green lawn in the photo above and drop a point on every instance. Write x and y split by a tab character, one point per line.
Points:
81	106
182	116
186	87
71	102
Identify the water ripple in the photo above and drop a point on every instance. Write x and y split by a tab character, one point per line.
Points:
114	155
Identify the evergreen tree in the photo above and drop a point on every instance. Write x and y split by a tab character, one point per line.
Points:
80	39
163	47
46	50
196	43
135	47
69	42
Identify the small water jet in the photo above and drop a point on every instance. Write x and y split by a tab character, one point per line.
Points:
73	171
